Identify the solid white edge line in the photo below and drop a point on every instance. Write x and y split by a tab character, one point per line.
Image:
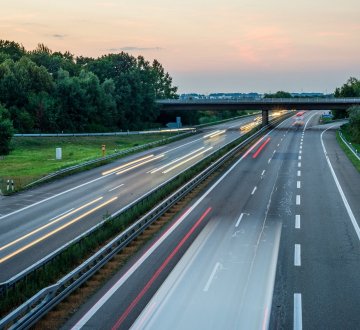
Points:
89	314
346	204
57	195
297	255
297	311
208	283
297	221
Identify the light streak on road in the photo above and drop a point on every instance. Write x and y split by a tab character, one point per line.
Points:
127	164
176	160
57	219
11	255
186	160
140	164
213	134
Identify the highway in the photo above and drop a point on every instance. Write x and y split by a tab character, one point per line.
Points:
38	221
272	243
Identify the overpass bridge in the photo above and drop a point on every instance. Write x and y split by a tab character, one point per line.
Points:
265	105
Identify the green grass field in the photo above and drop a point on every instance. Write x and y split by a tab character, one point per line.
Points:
34	157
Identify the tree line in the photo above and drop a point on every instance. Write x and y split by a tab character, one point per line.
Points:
46	91
350	89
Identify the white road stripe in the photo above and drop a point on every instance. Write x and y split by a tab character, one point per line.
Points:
297	311
269	160
61	214
253	192
299	158
346	203
297	255
300	147
208	283
262	173
300	152
116	187
297	199
297	221
298	173
274	151
299	164
239	220
99	303
278	145
298	184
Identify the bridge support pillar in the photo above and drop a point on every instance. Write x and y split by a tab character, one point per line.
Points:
265	117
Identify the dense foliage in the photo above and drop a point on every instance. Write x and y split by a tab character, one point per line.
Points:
350	89
278	95
6	131
47	91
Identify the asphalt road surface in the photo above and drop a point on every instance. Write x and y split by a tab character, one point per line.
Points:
273	243
38	221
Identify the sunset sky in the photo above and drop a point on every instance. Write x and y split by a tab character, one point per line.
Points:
205	45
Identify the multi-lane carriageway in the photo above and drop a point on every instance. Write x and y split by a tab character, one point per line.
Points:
272	243
36	222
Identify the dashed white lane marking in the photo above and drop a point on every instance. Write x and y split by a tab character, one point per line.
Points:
297	199
116	187
297	255
58	216
297	312
274	151
299	158
298	173
300	152
269	160
239	220
297	221
278	145
208	283
253	191
262	173
298	184
300	147
299	164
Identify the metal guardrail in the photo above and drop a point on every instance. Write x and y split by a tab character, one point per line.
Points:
160	130
41	303
99	160
350	146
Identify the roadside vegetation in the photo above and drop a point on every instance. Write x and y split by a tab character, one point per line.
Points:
350	131
34	157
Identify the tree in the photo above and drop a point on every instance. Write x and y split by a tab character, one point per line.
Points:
13	49
278	95
350	89
6	131
354	123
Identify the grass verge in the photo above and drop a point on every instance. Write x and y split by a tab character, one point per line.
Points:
34	157
355	161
